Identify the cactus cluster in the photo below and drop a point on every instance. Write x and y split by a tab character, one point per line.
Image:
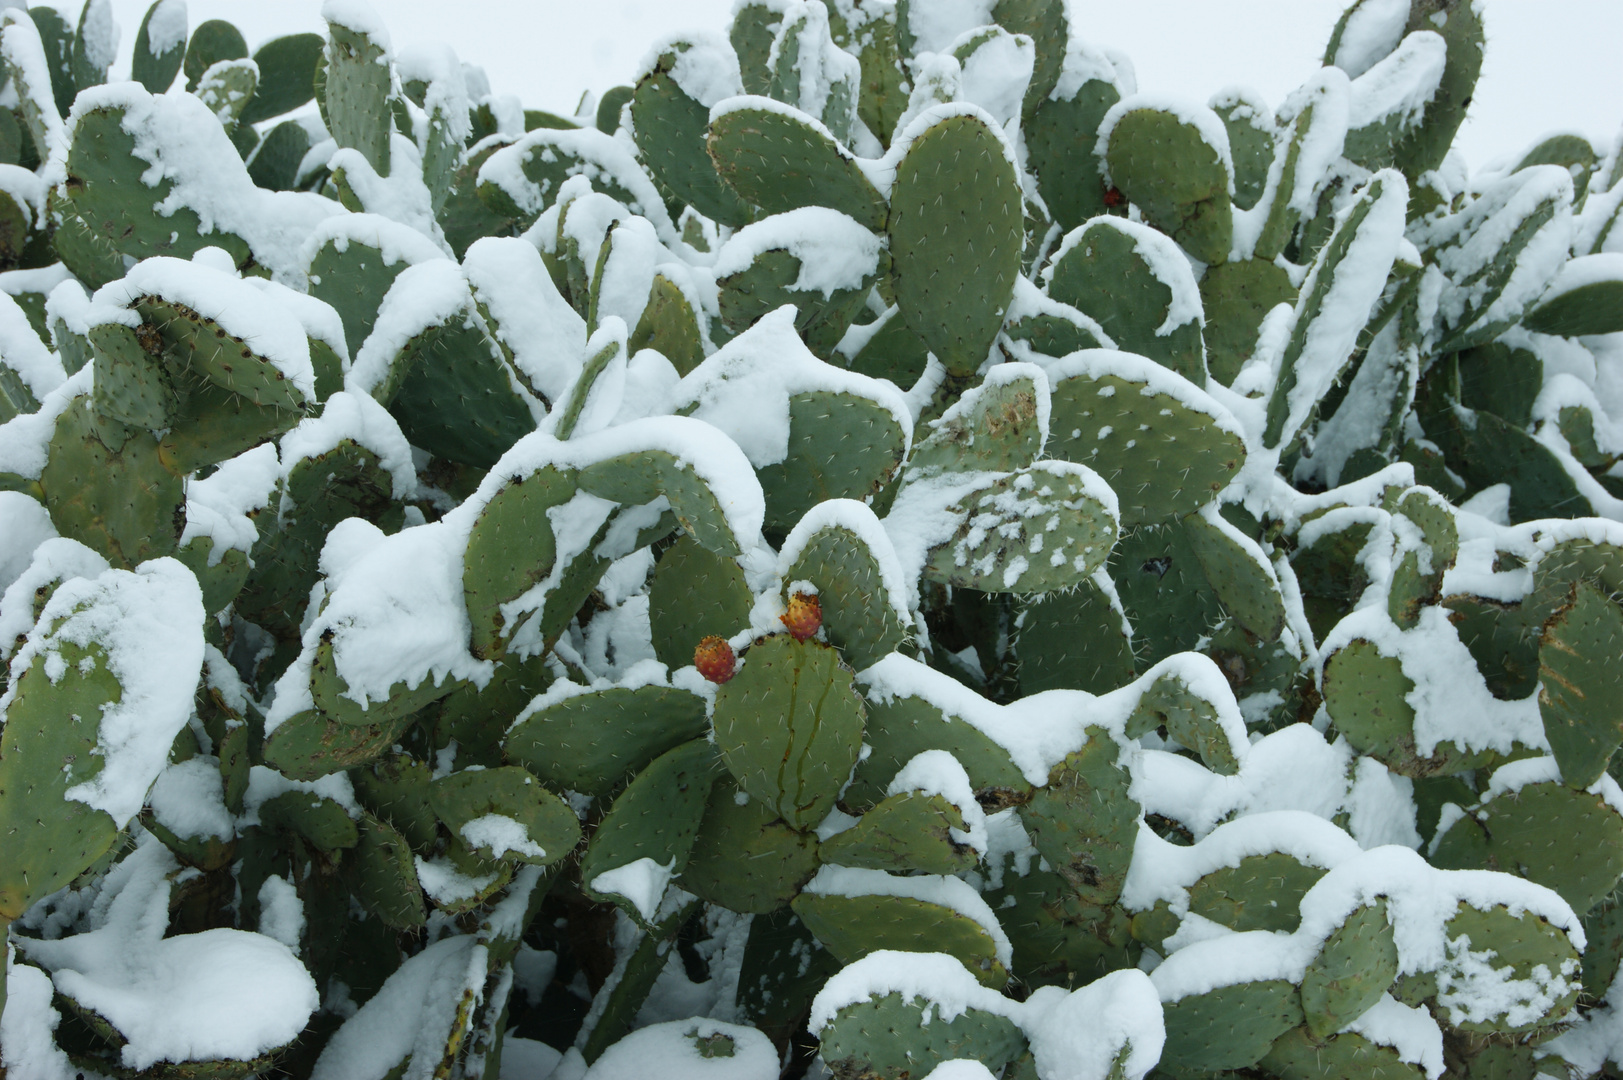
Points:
1025	578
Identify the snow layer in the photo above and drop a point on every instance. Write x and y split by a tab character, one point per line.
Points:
353	415
196	156
410	1019
1373	30
1079	1035
743	390
675	1046
27	526
193	997
149	622
834	251
948	892
219	505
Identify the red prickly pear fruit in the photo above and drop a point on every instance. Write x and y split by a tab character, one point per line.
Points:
715	659
1115	198
804	616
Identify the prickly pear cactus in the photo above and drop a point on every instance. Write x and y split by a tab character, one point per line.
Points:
877	551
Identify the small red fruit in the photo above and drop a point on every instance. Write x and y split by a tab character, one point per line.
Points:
804	616
715	659
1115	198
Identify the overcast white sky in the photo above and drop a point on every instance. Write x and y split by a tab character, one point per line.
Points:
1551	64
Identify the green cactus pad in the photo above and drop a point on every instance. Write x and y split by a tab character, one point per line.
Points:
155	70
1073	640
1166	167
591	742
695	594
1238	573
1603	930
1424	148
1567	840
1297	1055
669	127
909	831
1579	687
332	696
1057	939
657	818
213	40
1366	695
841	446
110	193
396	791
897	1038
1049	327
902	726
890	351
639	478
320	491
320	821
956	233
1536	960
467	801
287	68
746	858
1345	255
47	745
1355	966
354	277
1236	296
1230	1027
768	283
464	216
996	426
789	727
1417	579
852	926
1059	139
1585	299
382	873
859	611
783	968
669	326
1263	892
1162	444
309	745
1042	528
753	28
522	180
1159	579
454	395
1084	822
226	88
1124	275
1190	718
510	550
1252	137
131	385
122	503
780	159
357	78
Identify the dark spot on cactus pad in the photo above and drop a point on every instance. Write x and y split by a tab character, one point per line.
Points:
1158	567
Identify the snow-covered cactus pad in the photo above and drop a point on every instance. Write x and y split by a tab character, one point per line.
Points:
876	550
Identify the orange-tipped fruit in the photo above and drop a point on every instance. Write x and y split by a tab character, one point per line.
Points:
804	616
715	659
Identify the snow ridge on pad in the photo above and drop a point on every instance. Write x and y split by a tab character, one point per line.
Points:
218	506
219	994
409	1019
396	242
319	318
1410	1032
1207	124
189	801
23	352
600	156
670	1051
23	50
859	519
240	309
350	414
937	772
834	251
696	445
1374	28
1402	84
56	558
1164	871
1450	699
948	892
185	145
546	335
743	389
1077	1035
937	978
641	881
1166	261
25	441
28	525
882	171
706	70
359	16
425	294
150	624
